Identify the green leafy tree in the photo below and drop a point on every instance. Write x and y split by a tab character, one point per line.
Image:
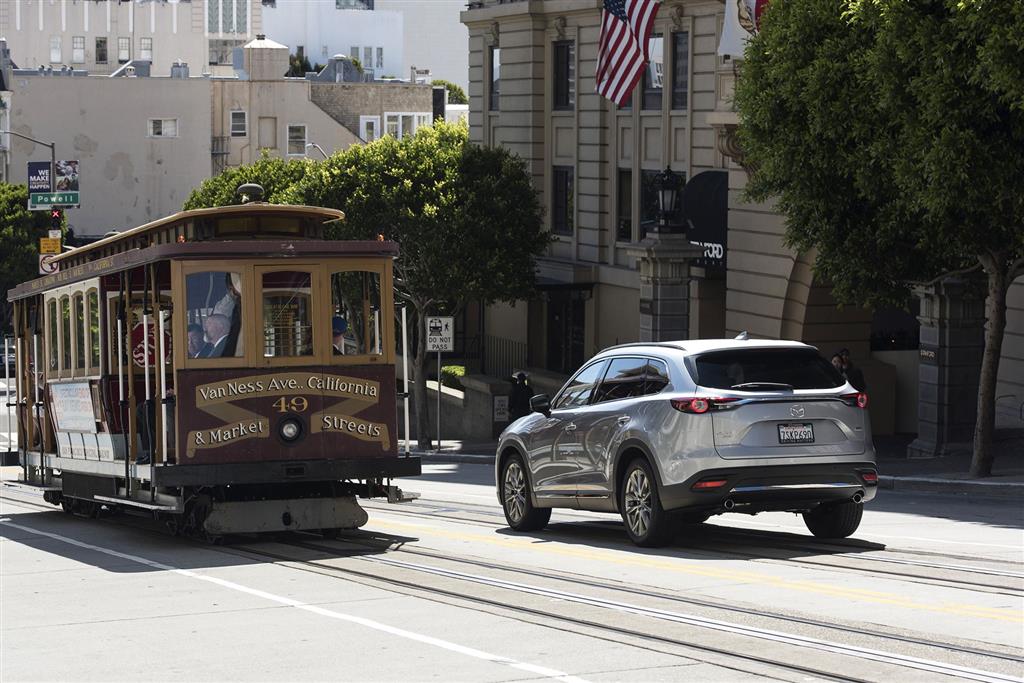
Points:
20	230
889	133
298	67
456	95
276	175
466	218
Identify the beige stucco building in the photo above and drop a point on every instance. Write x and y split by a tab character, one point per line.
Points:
145	142
101	35
532	90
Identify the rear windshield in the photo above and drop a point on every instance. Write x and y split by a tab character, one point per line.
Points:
758	369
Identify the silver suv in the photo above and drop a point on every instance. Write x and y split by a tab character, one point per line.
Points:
674	432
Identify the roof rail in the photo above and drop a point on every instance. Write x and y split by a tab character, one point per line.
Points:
669	344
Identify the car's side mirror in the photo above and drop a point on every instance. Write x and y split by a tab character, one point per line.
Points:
541	403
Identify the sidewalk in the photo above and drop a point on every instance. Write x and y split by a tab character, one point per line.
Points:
931	475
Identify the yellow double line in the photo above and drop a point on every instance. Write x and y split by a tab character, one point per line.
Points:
681	566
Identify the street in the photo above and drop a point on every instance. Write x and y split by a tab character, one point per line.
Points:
930	588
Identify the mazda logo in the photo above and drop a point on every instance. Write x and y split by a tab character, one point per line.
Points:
796	411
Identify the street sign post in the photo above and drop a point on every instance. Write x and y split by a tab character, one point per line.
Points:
440	337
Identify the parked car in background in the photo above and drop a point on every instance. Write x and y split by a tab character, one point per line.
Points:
674	432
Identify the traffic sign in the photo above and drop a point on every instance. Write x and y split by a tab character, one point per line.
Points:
48	245
47	266
54	234
41	201
441	333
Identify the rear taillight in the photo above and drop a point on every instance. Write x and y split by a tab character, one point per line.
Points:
701	404
859	399
705	484
869	476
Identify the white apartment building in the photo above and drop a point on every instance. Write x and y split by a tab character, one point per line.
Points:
434	37
102	35
320	30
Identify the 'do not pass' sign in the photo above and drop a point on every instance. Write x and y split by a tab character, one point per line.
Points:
441	333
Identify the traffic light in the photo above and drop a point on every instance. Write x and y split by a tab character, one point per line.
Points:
56	219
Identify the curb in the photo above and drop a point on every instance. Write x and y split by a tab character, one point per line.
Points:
916	484
954	486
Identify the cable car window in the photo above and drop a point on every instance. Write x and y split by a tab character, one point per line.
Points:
287	314
355	313
51	317
93	302
79	324
213	301
65	333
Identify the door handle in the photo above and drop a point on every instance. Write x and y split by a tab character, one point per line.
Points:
571	427
624	419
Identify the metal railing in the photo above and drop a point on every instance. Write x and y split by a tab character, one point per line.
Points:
502	356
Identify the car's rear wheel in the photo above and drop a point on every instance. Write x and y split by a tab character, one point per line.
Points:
835	520
646	521
516	501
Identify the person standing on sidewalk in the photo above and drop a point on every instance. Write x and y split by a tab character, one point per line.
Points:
852	372
519	399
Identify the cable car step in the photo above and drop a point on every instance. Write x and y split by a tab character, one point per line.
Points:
13	484
138	504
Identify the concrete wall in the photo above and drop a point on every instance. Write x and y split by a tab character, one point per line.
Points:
347	102
127	178
324	31
434	38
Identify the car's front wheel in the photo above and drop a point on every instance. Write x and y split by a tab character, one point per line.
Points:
836	520
516	501
647	522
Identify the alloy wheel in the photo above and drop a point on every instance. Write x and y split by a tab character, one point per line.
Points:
515	492
638	502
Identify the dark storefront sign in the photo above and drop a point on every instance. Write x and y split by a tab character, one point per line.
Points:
705	201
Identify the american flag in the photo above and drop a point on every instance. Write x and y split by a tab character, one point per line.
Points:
622	51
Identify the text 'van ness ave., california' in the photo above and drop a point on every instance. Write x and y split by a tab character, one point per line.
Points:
293	383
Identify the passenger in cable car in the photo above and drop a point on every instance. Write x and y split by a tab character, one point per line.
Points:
196	343
217	328
338	328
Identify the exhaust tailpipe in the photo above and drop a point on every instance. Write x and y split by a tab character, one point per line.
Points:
858	497
728	504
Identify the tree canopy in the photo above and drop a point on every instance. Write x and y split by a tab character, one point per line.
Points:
276	175
889	133
456	95
20	230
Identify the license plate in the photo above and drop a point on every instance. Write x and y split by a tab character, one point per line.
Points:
796	433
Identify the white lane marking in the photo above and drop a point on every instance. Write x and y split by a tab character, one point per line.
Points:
281	600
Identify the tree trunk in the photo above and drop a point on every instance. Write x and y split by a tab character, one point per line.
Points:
419	386
996	267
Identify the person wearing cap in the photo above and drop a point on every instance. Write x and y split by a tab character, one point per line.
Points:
338	328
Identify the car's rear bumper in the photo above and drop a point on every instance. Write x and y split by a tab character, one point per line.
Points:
772	487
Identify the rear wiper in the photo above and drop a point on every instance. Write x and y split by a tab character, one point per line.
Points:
763	385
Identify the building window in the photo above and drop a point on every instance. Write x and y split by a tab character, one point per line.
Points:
124	48
353	4
101	50
297	139
353	52
55	56
227	16
565	75
654	75
680	69
78	50
380	58
624	206
222	49
369	128
238	124
146	49
495	79
562	200
404	124
163	128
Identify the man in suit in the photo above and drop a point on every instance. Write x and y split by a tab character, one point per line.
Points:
217	327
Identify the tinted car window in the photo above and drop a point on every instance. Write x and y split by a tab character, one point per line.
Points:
656	377
624	379
580	387
798	368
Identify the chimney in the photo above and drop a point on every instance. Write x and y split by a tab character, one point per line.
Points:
179	70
